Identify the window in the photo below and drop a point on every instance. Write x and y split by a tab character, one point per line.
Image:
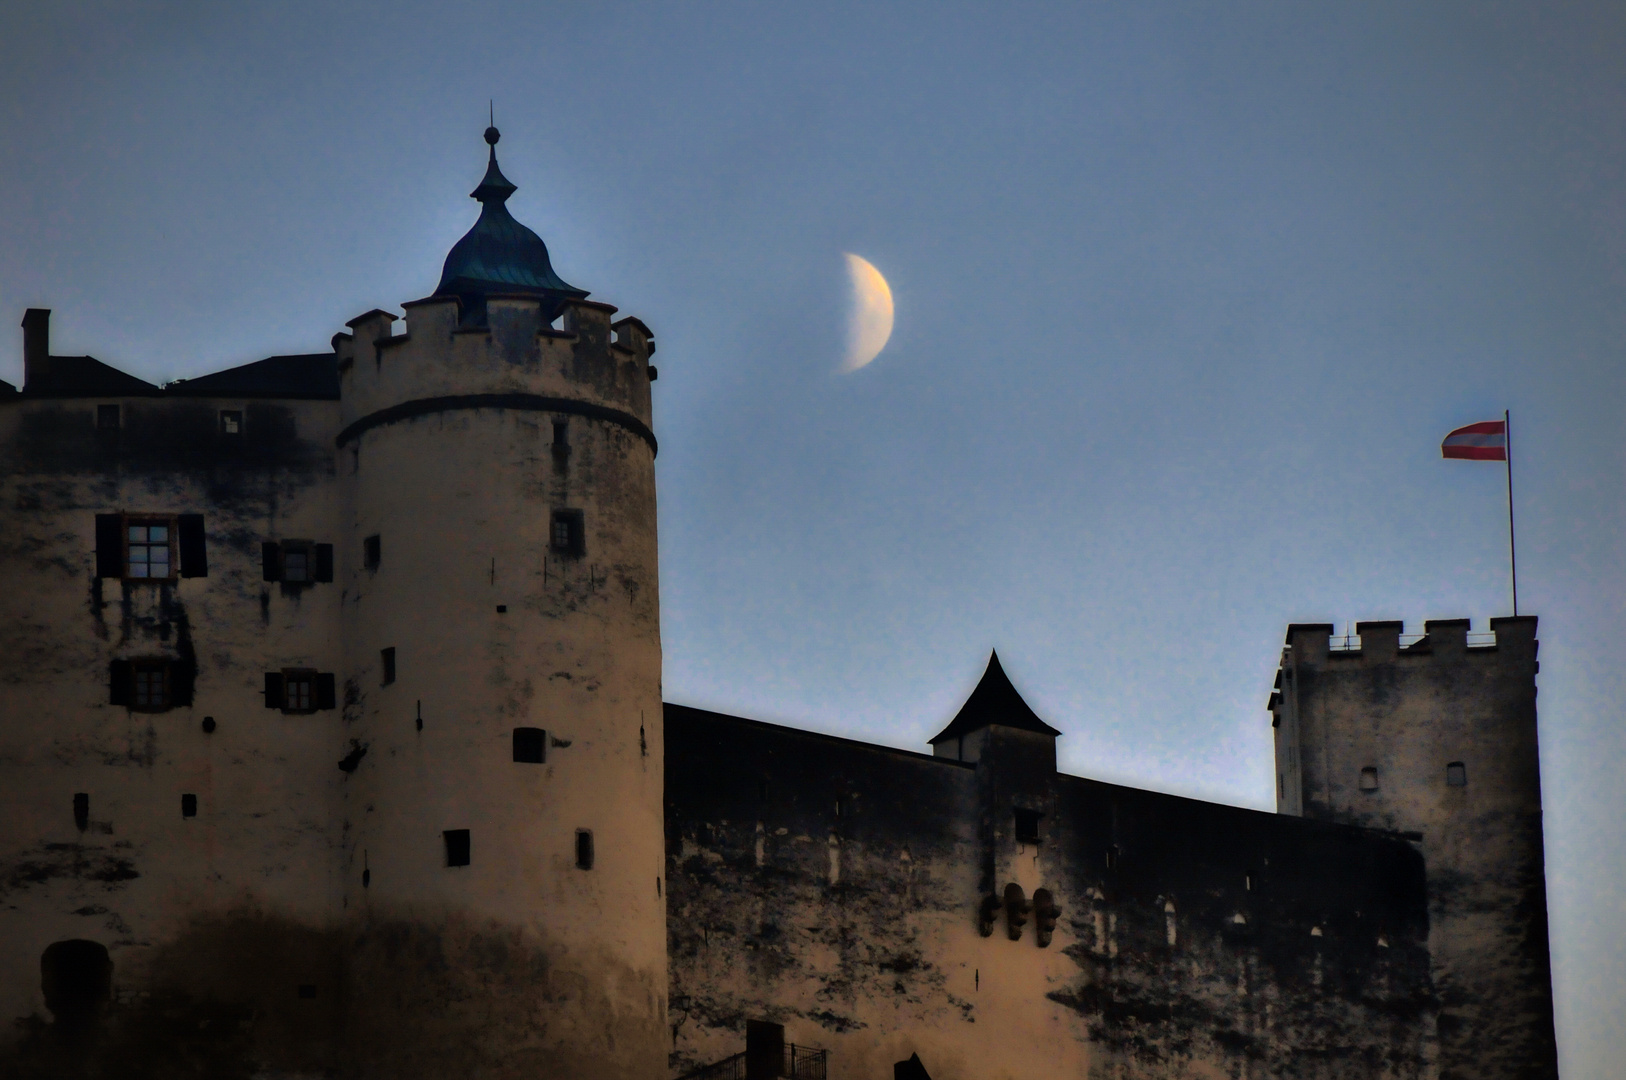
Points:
530	745
569	534
189	806
231	422
370	552
1456	774
296	561
457	847
151	689
1369	779
299	690
387	659
81	810
561	439
148	548
584	849
1027	826
107	417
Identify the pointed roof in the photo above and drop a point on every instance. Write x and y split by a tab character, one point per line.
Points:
499	255
994	701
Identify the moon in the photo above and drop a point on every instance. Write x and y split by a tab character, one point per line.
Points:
870	324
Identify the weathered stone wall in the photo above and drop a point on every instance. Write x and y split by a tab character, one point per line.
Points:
1408	715
213	922
520	963
836	887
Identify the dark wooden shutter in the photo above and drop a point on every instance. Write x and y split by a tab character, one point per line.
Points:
325	697
273	689
271	560
194	555
182	674
324	562
110	545
119	682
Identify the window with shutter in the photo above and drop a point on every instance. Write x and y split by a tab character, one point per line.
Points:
149	550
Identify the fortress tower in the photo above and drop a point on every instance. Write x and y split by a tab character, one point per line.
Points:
1436	740
502	839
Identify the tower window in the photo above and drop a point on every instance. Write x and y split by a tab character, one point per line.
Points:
107	417
300	690
1027	826
371	550
457	847
231	422
561	439
81	810
386	658
148	548
568	535
189	806
584	849
1369	779
1456	774
530	745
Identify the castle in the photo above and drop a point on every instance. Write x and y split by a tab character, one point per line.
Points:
333	744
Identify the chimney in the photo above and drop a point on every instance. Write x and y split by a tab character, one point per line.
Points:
36	344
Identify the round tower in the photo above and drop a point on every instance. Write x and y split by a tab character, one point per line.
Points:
503	835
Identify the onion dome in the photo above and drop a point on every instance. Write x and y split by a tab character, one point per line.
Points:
499	255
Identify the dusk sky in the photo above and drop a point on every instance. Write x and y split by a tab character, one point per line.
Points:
1186	298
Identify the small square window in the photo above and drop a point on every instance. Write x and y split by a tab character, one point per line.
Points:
149	549
1369	779
568	535
150	692
387	660
1027	826
107	417
299	691
457	847
231	422
584	849
370	552
307	991
1456	774
530	745
189	806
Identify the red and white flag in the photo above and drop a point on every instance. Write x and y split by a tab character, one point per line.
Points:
1477	442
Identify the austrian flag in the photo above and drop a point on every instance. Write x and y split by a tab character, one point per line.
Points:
1477	442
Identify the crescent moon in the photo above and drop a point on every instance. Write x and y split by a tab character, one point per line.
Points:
870	324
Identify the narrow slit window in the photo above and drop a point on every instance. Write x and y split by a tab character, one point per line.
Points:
561	438
189	805
1369	779
530	745
387	661
371	551
81	810
457	847
584	849
1456	774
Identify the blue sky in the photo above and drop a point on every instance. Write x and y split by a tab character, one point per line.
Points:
1187	295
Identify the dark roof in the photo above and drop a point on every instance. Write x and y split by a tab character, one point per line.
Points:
84	376
499	255
994	701
307	375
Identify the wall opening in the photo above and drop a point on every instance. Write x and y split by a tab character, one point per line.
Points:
1369	779
569	533
386	659
307	991
371	552
531	745
1027	825
561	439
1456	774
457	847
584	849
81	810
189	805
76	978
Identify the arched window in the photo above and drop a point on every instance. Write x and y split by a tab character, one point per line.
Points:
76	977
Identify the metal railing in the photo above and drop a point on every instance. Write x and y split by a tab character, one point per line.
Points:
800	1063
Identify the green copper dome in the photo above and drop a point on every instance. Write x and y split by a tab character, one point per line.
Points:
499	255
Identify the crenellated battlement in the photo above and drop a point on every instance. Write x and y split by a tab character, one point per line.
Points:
1386	642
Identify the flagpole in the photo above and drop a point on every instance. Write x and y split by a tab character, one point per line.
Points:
1512	548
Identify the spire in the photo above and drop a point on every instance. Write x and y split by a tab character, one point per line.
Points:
499	255
994	701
